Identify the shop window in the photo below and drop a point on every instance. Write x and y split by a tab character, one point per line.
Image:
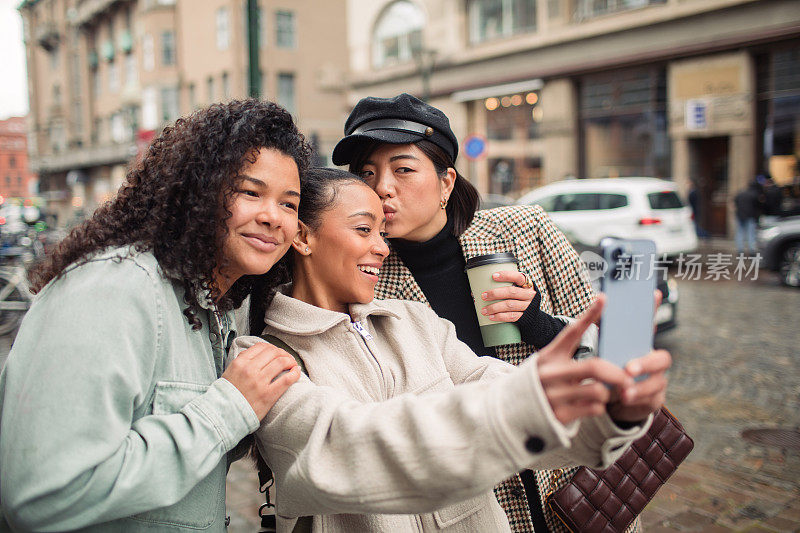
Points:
398	34
497	19
624	124
515	116
779	113
512	175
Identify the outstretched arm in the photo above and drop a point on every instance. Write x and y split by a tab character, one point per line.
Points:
412	454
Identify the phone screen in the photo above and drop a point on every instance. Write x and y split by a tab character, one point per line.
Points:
626	325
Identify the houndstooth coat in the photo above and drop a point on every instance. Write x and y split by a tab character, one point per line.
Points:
547	257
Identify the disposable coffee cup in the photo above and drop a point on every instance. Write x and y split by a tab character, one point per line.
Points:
479	271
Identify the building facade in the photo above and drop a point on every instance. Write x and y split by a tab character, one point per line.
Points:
106	75
705	92
16	179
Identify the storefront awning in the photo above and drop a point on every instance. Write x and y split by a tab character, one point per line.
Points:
498	90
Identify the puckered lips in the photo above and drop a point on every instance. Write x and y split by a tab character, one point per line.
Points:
371	270
388	212
261	241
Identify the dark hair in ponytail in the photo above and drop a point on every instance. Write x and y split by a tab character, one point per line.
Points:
319	188
463	200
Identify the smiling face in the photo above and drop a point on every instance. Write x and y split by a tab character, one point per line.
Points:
337	263
263	218
407	183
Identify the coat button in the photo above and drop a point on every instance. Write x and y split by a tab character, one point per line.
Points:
534	444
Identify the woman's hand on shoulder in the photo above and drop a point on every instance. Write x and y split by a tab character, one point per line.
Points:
511	301
262	373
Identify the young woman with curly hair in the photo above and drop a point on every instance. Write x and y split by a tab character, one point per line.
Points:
118	406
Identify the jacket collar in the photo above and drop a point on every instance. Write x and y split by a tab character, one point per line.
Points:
294	316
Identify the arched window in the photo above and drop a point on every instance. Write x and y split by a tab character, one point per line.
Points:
398	34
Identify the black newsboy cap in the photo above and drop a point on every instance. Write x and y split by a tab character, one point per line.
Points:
399	120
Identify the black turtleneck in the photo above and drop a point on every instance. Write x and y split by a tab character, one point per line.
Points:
438	267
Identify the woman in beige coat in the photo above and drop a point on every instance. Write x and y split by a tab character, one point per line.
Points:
410	430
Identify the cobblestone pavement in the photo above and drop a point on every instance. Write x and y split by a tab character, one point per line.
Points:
735	367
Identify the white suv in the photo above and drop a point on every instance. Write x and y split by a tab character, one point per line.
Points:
587	210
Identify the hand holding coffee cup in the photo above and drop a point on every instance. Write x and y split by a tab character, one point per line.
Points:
510	301
481	272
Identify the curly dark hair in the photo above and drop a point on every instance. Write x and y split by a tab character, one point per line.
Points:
174	202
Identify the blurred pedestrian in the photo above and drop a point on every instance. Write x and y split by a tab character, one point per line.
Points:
696	203
118	407
405	150
430	453
748	204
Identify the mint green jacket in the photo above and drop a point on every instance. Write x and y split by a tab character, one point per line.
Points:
113	415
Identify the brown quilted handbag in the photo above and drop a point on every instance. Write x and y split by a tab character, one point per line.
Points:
607	501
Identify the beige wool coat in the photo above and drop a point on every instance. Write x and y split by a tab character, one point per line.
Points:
380	432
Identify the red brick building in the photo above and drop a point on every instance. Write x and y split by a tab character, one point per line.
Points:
16	179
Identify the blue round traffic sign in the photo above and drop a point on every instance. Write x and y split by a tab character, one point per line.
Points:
474	146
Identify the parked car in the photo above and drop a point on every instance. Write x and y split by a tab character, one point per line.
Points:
667	313
631	208
779	245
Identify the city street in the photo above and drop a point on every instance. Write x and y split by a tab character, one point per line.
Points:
735	368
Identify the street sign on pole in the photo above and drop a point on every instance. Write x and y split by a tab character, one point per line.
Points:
474	147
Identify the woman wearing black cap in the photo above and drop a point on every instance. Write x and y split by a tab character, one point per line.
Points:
405	150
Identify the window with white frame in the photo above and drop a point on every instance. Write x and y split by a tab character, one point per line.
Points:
285	29
97	83
398	34
286	93
226	85
119	131
113	77
148	53
589	9
167	48
170	106
149	108
223	28
131	73
497	19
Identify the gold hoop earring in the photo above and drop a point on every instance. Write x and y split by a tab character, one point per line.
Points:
443	203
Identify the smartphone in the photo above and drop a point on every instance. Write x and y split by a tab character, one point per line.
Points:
629	283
